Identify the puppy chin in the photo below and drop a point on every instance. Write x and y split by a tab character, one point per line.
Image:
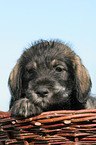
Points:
42	102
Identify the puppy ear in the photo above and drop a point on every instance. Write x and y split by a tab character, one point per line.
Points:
14	81
83	79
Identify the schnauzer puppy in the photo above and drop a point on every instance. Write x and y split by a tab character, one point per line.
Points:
49	76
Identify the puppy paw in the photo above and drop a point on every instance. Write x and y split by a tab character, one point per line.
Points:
24	108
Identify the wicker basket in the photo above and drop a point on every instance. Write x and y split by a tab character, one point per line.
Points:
54	127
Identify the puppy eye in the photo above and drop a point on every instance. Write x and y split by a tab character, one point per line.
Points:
59	68
30	71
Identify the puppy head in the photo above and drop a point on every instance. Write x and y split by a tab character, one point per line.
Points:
47	74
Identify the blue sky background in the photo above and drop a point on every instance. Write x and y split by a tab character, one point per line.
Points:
25	21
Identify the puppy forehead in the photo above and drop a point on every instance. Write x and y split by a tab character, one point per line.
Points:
43	55
55	52
51	56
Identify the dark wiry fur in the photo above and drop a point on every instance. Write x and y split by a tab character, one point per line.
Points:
49	76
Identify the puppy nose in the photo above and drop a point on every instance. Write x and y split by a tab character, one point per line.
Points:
42	91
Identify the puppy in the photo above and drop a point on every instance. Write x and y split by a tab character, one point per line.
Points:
49	76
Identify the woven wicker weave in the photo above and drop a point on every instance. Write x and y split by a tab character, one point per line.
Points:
54	127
